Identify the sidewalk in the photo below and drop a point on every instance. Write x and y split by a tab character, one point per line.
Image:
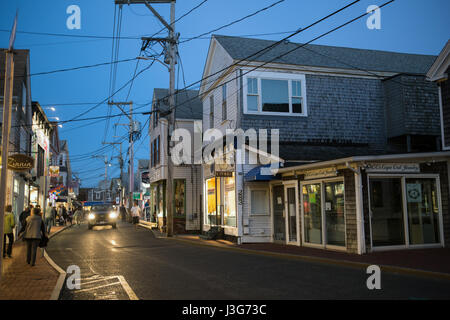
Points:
20	281
426	262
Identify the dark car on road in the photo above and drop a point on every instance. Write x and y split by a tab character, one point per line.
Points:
102	214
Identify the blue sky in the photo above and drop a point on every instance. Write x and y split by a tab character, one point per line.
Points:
413	26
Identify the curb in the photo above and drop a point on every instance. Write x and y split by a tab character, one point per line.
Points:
346	263
143	225
62	274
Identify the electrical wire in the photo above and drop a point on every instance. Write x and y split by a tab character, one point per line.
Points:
262	51
233	22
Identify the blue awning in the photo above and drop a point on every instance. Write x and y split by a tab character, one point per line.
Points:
260	173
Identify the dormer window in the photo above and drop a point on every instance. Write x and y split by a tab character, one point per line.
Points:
270	93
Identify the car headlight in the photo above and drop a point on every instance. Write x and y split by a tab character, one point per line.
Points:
113	215
91	216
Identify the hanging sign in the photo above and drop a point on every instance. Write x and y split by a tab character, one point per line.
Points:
20	162
54	171
137	196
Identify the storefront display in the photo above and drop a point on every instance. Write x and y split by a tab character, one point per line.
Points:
221	201
229	218
211	208
323	213
180	197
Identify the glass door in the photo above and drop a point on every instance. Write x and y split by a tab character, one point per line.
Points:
423	211
279	220
312	213
334	213
386	211
292	214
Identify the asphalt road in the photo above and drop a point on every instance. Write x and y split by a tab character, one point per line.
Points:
124	263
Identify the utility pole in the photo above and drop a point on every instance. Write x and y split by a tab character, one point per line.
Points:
170	188
6	125
171	43
106	167
133	129
119	157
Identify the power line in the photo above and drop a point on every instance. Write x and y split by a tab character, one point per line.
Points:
260	52
108	98
71	35
77	68
234	22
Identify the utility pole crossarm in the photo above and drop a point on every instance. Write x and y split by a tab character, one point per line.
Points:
158	16
119	105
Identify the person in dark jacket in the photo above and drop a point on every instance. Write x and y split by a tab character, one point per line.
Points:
25	214
33	232
65	215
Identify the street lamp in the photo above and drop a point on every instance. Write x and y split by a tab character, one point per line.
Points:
51	108
57	119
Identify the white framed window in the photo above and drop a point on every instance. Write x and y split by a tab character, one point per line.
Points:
270	93
259	202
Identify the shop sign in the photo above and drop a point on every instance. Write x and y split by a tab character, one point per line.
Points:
226	174
136	196
54	171
117	200
20	162
320	173
393	167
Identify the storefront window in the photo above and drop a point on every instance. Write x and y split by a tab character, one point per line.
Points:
161	212
312	209
334	213
229	218
180	197
386	211
211	201
259	202
423	211
34	196
25	199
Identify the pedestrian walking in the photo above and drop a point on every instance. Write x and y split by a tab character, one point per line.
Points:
8	225
49	218
136	214
77	216
33	232
65	215
25	214
54	215
70	216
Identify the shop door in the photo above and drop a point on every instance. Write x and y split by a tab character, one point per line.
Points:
423	211
291	213
279	218
387	212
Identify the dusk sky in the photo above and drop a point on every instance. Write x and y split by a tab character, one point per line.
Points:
411	26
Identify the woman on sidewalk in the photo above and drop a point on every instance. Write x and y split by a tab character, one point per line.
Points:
8	226
34	231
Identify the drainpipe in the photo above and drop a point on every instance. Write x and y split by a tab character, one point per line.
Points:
359	209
